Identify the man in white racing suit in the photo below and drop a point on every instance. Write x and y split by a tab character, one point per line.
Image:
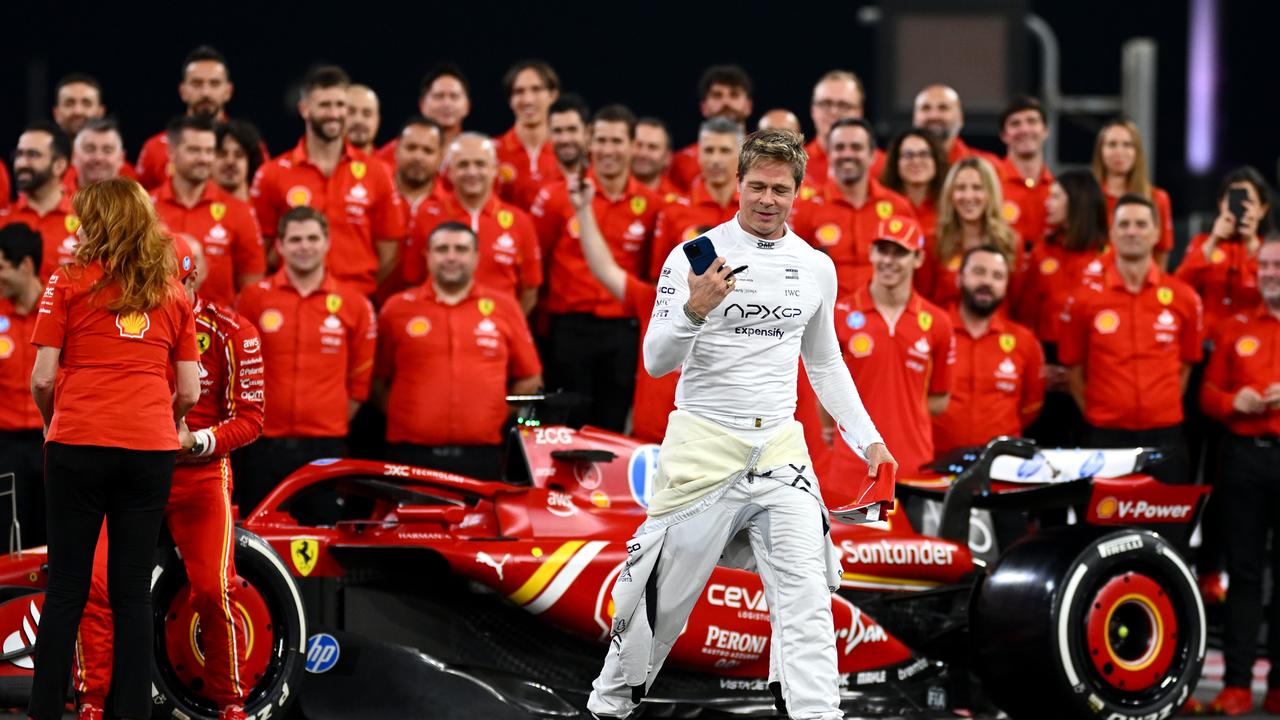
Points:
733	465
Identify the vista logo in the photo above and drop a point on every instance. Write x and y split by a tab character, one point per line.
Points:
1109	508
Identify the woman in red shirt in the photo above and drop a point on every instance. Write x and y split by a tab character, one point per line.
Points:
914	167
1120	167
111	328
969	216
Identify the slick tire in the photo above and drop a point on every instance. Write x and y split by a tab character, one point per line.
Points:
1089	622
275	612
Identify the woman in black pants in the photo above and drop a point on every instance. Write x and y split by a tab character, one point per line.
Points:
113	327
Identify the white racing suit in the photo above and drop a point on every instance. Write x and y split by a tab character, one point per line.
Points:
767	501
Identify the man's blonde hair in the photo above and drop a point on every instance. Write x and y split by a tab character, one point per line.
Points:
781	146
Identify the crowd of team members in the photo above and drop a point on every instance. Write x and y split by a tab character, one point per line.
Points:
431	276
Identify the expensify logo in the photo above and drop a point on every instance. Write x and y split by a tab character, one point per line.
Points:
759	332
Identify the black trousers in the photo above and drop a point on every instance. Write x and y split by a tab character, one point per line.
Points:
22	453
596	357
1249	491
267	461
482	462
1174	468
131	488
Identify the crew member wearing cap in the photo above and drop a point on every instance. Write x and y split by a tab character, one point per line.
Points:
227	416
900	349
1128	342
1242	389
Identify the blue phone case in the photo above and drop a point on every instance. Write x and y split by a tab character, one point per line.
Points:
701	253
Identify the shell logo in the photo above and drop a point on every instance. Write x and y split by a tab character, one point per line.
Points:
1049	266
600	499
1008	342
690	233
1010	211
1107	507
807	192
925	320
7	347
828	234
884	209
1106	322
953	265
861	345
506	172
298	196
1164	295
1247	346
574	228
1218	256
133	325
417	326
270	321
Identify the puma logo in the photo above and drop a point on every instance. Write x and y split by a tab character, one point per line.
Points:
485	558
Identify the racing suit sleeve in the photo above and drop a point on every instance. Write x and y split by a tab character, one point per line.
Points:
242	398
827	372
671	334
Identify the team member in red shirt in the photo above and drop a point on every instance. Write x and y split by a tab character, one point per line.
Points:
43	202
651	158
418	153
318	341
205	89
97	153
713	198
915	168
996	387
364	117
568	119
1129	341
937	109
837	95
21	442
449	351
444	98
240	153
1120	165
1023	170
510	258
1242	389
900	349
525	159
844	216
5	190
227	416
1222	264
77	100
969	216
324	172
725	91
111	330
593	338
190	204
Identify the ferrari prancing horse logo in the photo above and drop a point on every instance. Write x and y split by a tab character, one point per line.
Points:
304	552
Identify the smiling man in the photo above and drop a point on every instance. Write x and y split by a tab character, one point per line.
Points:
734	457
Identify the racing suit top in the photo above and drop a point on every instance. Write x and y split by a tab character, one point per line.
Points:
739	368
229	412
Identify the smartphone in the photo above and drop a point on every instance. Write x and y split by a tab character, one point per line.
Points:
701	253
1236	197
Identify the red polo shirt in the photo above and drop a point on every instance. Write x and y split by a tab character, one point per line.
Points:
510	256
521	173
627	225
685	167
318	351
679	222
1132	347
1227	280
450	365
57	230
358	199
1053	273
832	224
225	227
1024	200
5	187
17	358
1246	353
896	367
996	385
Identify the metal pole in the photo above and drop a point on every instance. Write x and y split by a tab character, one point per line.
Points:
1049	90
1138	91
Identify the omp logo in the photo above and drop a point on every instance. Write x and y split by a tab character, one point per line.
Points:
733	641
736	597
1109	507
1119	546
752	310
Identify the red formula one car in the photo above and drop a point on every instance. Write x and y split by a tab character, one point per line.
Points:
443	596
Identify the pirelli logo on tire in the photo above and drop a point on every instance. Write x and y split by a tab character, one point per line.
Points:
1119	546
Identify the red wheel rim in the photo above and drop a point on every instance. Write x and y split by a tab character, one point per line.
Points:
253	628
1131	632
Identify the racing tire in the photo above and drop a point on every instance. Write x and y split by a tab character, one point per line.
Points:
269	604
1089	622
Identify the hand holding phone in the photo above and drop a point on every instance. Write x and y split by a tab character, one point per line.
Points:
1236	199
701	254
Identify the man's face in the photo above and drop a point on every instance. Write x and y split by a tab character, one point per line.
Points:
231	164
97	155
530	97
446	102
77	103
33	164
937	110
611	148
452	257
363	117
849	151
726	101
892	265
1024	133
779	119
718	158
303	246
205	88
1134	232
325	112
14	278
651	152
418	155
193	156
568	137
984	279
472	167
765	196
834	100
1269	274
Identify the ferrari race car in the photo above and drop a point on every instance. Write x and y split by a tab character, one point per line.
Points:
438	595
